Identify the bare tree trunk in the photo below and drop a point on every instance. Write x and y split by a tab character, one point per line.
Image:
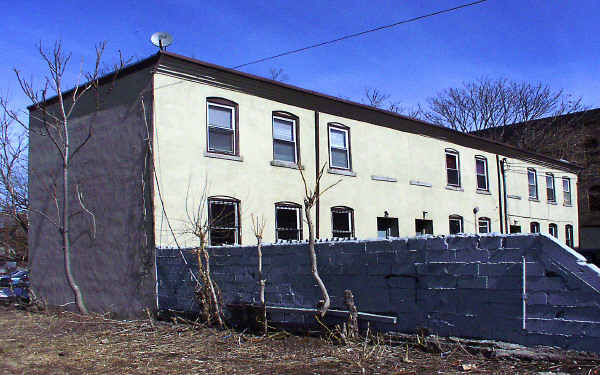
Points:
353	316
208	280
313	262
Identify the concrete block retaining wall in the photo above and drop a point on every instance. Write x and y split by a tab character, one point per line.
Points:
468	286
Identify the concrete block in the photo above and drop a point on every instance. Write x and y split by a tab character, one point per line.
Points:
437	300
402	296
505	283
573	299
506	255
352	247
404	269
436	243
440	256
471	282
546	284
437	282
380	246
447	268
401	282
511	269
490	242
472	255
462	242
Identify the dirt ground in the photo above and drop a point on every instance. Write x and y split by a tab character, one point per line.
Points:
67	343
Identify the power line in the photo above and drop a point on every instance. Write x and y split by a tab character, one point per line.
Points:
361	33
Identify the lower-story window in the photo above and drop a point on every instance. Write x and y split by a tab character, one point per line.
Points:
288	221
484	224
342	222
553	230
224	221
456	224
569	235
515	229
423	226
534	227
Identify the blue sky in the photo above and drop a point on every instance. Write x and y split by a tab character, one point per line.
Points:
556	42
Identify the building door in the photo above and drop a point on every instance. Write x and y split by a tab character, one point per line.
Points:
423	226
387	227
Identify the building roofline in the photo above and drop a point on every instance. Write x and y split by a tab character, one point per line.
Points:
153	59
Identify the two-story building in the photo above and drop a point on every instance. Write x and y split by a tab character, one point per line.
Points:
177	139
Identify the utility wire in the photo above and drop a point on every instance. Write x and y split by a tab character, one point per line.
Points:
361	33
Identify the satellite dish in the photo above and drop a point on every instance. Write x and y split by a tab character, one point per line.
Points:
161	39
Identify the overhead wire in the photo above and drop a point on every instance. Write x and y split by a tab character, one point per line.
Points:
348	36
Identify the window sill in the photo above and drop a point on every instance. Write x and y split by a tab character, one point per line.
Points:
285	164
534	200
383	178
419	183
222	156
342	172
518	197
552	203
484	192
455	188
567	205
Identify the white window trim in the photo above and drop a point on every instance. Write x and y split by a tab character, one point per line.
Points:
485	173
283	206
457	156
346	210
568	191
551	176
531	170
347	149
460	222
208	126
237	228
488	224
293	121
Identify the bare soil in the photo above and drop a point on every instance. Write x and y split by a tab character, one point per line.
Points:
67	343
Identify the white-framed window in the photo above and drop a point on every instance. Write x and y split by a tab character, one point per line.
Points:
455	223
534	227
224	221
566	190
339	147
288	221
342	222
285	138
532	181
550	192
484	225
553	230
221	123
569	235
481	169
452	168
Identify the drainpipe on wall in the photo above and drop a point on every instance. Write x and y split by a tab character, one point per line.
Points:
503	167
499	196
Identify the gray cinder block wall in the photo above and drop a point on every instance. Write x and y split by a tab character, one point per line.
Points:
468	286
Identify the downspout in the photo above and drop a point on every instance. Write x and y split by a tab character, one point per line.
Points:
499	196
317	168
503	167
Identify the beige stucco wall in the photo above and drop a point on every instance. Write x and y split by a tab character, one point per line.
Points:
180	144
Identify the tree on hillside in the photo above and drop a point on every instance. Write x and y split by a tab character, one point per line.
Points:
52	120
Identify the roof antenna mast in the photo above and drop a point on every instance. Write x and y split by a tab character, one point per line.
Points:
162	40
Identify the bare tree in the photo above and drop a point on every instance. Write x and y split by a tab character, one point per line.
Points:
375	98
199	224
494	103
278	74
258	227
53	121
311	197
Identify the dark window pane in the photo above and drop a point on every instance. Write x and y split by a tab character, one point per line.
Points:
532	191
288	223
339	158
453	177
223	222
288	234
223	214
481	182
553	229
220	140
534	227
451	161
484	226
515	229
220	237
531	177
284	151
341	221
455	226
480	165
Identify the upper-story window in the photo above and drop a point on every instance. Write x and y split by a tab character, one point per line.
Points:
222	126
532	181
339	147
224	221
550	192
456	224
481	169
342	222
566	191
285	137
452	168
288	221
553	230
569	235
534	227
484	224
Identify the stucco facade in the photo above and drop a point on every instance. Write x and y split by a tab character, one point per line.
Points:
396	171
